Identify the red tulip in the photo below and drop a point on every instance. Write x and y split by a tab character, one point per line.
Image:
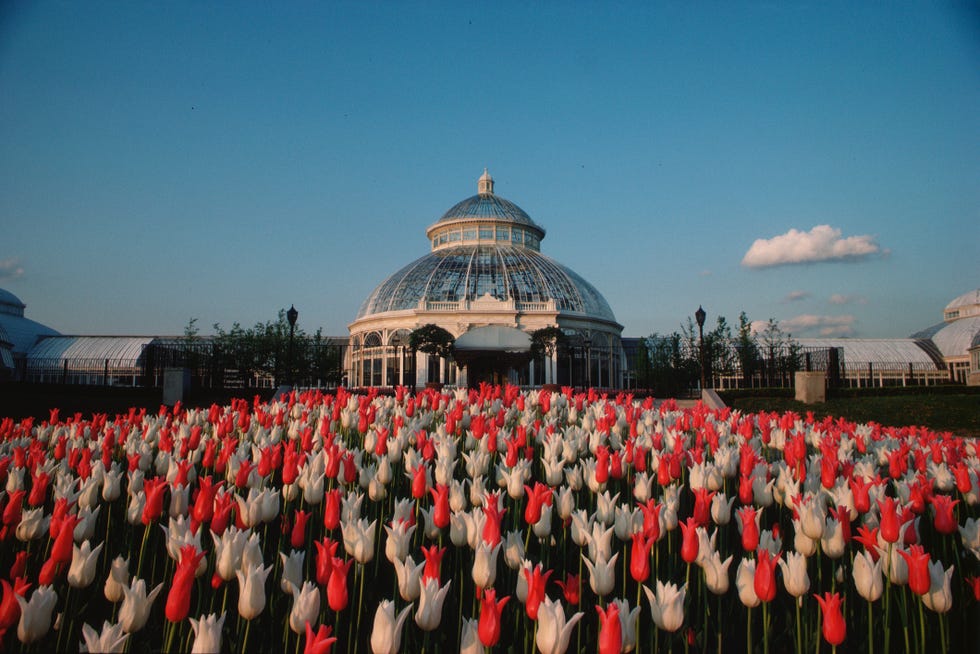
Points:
223	507
320	642
889	522
58	516
50	572
571	588
39	488
869	539
440	509
974	584
203	509
297	537
610	630
331	509
154	489
749	527
536	498
745	493
536	582
61	550
433	562
325	551
179	597
702	506
19	565
602	464
651	519
9	607
764	581
944	520
489	627
917	560
337	586
640	557
14	510
690	544
491	529
834	628
419	482
962	475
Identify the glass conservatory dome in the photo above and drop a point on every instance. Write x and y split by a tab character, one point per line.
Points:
486	247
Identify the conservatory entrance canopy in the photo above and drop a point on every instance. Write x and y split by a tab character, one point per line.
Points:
490	352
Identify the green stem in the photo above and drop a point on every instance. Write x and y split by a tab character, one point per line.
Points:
765	627
871	641
799	627
748	630
922	627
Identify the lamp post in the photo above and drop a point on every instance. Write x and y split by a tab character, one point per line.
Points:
291	316
699	316
588	361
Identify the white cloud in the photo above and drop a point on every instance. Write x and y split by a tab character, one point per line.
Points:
11	268
812	325
795	296
838	298
822	243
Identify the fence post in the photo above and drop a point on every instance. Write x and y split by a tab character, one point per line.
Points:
105	373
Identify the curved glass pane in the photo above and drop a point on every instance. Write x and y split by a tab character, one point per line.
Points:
502	271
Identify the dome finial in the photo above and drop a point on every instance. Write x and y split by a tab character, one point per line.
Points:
485	184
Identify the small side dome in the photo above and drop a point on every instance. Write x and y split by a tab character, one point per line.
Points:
11	304
964	306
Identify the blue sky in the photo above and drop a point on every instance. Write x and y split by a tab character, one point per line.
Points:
817	163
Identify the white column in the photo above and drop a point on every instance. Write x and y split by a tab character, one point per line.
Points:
421	369
384	365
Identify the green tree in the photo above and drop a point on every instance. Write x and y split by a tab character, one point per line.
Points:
781	352
432	339
643	365
746	349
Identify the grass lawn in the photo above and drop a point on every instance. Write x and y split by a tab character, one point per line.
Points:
959	414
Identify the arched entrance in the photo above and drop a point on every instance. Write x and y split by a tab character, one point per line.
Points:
489	353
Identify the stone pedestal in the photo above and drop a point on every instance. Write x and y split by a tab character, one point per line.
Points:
811	387
176	382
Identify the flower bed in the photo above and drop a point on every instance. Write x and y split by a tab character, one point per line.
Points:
521	522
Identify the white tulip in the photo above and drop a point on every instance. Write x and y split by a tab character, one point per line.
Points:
35	615
795	577
409	575
251	590
136	605
553	631
386	635
306	606
431	598
745	583
207	633
716	572
399	540
667	605
867	576
485	564
83	560
602	574
111	639
292	569
940	597
117	580
627	622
